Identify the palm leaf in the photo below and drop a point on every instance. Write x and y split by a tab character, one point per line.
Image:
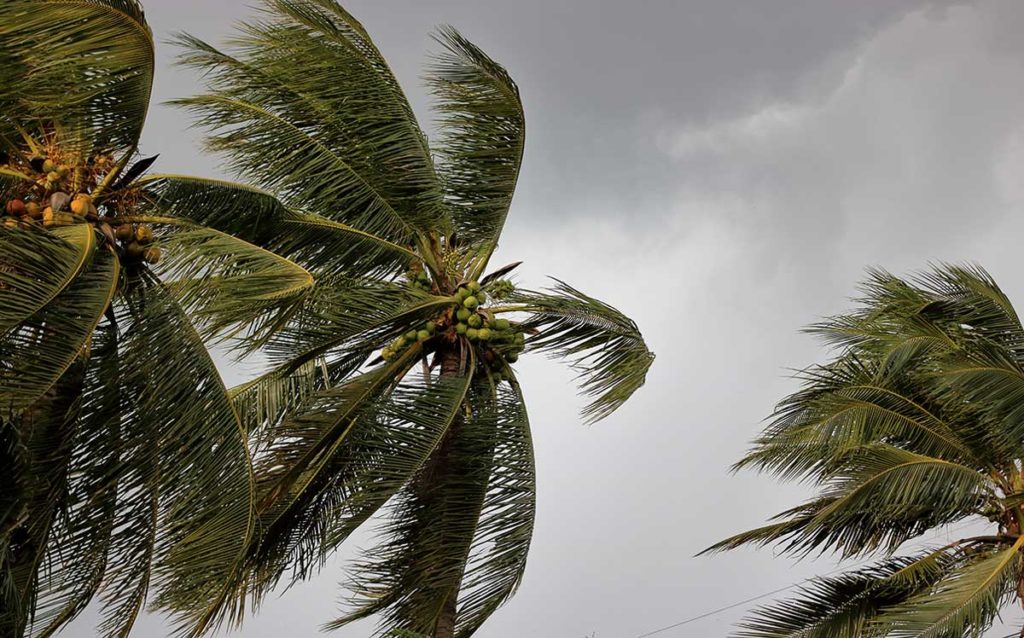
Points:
55	73
484	133
603	344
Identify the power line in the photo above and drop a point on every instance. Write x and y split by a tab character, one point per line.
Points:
715	612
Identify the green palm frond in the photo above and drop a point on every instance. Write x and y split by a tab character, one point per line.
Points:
338	139
35	267
43	347
340	457
484	133
100	101
497	559
964	602
201	482
320	244
225	282
603	344
845	606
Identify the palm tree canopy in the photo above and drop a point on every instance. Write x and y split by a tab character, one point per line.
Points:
119	444
914	425
393	384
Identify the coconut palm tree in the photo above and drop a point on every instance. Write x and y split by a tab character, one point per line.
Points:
913	426
124	471
395	383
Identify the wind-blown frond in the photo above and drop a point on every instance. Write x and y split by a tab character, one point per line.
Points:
55	75
483	136
964	602
340	457
36	266
845	606
42	348
338	139
603	344
201	482
320	244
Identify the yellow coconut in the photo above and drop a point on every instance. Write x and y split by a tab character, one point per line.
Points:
81	204
153	254
143	235
33	210
47	216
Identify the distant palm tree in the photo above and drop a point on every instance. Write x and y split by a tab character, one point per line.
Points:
123	466
435	426
916	424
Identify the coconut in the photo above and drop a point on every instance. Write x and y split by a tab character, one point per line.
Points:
125	232
81	205
386	354
411	335
484	334
153	254
461	328
400	343
473	286
47	216
59	200
63	219
431	327
135	250
34	210
143	234
16	207
53	176
11	222
64	170
512	357
422	335
463	314
475	321
470	302
481	296
472	334
502	324
49	166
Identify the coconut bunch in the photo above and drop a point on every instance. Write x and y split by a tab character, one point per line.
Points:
498	341
56	188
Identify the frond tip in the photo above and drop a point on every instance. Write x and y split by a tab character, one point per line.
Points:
603	344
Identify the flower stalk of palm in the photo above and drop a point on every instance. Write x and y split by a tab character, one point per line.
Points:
124	471
394	384
913	426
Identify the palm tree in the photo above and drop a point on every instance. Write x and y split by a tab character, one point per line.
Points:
394	385
124	471
913	426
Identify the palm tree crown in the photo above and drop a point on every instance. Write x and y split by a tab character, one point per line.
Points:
394	383
124	470
916	424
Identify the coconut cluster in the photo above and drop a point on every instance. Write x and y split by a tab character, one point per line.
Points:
60	195
498	340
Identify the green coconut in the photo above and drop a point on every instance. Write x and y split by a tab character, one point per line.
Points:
410	336
461	328
431	327
474	286
512	357
484	334
471	302
49	166
463	314
422	335
502	324
472	334
475	321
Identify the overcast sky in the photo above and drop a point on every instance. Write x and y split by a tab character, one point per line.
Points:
722	171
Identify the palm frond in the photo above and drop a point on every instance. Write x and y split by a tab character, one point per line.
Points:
56	73
338	138
603	344
42	348
483	136
320	244
36	266
201	480
844	606
964	602
340	457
